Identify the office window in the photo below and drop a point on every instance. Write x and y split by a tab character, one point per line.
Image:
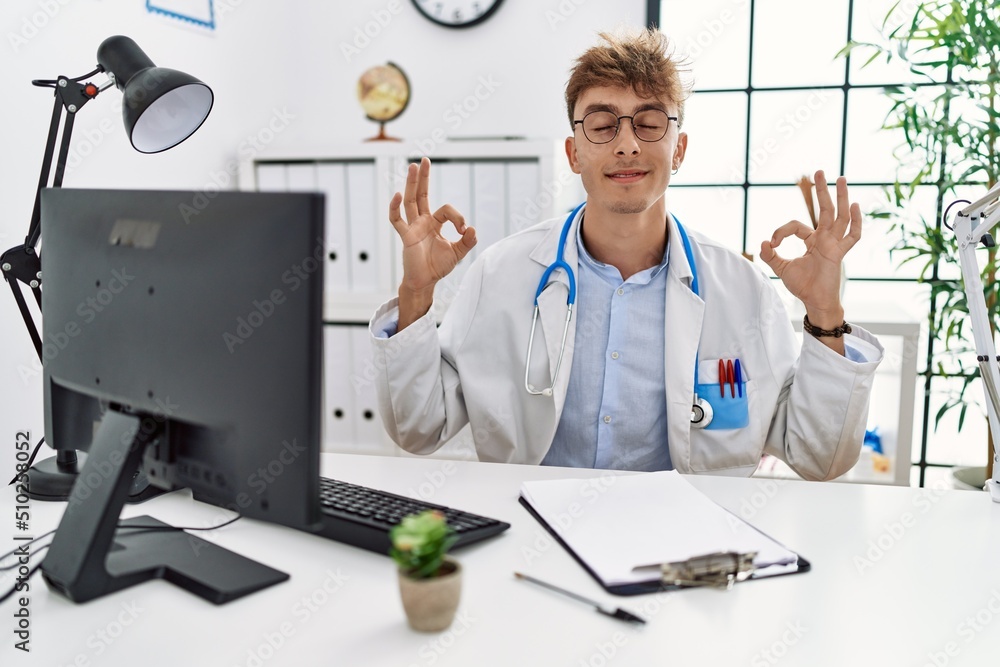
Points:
771	104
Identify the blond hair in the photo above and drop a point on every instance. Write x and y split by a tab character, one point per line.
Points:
642	61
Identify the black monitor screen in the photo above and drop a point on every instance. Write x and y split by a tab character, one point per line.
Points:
203	318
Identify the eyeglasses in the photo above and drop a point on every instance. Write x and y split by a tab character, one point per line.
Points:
649	125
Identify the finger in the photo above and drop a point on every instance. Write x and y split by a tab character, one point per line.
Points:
449	212
410	193
791	228
843	208
854	232
423	187
394	217
826	212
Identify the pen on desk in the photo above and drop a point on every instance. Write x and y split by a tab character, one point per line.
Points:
617	612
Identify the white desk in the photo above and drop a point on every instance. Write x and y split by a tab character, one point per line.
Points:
932	570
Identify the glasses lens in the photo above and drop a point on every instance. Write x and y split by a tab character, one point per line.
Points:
600	126
650	125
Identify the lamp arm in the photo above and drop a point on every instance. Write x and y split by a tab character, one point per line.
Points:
21	264
972	227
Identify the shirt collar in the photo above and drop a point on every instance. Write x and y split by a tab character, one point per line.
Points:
611	274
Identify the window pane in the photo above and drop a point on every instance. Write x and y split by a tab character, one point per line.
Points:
716	212
947	444
794	133
715	35
789	50
867	27
873	256
875	154
716	126
767	209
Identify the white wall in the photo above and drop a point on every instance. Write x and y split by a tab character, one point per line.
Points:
289	65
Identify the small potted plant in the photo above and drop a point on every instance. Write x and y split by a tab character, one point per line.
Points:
430	582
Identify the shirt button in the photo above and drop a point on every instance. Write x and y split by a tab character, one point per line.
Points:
620	291
607	419
614	355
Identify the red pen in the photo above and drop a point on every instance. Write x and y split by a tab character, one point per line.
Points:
722	378
731	378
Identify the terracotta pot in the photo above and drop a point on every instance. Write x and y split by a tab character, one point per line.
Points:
430	604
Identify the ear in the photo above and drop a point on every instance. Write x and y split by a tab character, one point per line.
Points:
680	149
571	156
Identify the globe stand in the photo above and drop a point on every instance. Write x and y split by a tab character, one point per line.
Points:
382	136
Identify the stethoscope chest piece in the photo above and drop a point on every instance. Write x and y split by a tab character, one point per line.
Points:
701	413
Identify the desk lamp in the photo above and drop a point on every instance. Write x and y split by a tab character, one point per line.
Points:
160	108
972	226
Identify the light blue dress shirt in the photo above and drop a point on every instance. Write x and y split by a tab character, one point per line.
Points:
615	415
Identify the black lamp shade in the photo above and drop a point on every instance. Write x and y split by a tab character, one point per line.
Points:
161	107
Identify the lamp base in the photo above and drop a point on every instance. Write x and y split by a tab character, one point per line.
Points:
53	480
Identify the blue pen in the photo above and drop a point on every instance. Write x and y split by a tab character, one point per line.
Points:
739	377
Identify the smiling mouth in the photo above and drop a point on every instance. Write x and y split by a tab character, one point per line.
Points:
626	176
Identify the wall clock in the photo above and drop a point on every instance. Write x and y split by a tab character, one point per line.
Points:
457	13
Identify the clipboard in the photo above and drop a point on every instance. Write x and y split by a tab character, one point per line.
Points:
718	569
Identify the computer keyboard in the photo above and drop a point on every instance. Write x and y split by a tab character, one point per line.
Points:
362	516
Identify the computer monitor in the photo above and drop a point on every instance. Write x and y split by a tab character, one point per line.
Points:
189	336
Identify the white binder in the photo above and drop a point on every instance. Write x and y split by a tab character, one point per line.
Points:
362	221
489	203
451	183
271	178
301	177
525	203
338	396
331	181
369	435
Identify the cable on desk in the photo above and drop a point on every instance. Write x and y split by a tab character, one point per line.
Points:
137	529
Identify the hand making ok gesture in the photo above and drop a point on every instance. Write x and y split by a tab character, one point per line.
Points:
815	276
427	255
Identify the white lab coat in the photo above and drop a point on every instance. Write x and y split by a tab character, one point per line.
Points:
807	407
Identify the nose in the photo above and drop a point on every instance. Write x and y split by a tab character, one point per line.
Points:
626	143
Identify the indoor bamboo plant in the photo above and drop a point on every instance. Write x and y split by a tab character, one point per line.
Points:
430	582
950	120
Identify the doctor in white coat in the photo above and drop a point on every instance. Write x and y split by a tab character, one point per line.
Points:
678	354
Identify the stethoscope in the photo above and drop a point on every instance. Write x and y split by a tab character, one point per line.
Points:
701	410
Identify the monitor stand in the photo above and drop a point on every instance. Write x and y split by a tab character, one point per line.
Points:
92	554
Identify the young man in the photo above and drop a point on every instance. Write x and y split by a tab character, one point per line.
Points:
656	306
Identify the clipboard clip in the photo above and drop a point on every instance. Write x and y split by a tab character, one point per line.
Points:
720	570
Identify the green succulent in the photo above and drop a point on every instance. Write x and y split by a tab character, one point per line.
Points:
420	542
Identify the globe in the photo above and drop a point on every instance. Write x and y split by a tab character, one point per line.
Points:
384	92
